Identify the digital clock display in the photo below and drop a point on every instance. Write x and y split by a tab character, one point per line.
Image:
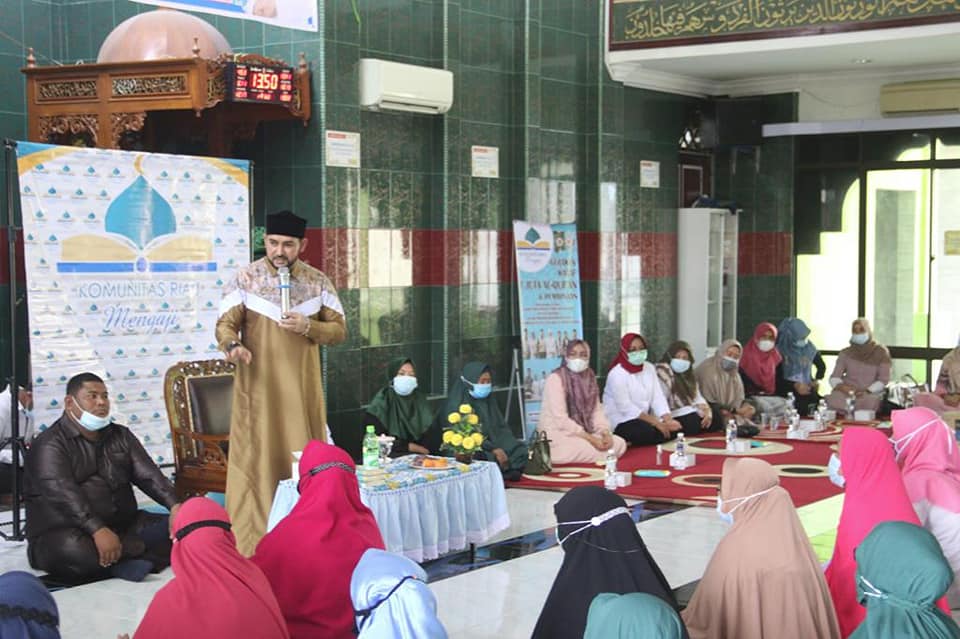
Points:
259	83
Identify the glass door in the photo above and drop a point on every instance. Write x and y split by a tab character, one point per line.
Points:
945	256
897	265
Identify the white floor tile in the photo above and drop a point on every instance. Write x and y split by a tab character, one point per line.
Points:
513	592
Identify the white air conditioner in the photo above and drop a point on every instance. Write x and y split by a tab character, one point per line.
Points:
404	87
924	96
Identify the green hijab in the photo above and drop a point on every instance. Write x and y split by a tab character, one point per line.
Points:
901	573
491	420
405	417
636	614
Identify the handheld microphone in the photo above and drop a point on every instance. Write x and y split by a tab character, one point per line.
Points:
284	274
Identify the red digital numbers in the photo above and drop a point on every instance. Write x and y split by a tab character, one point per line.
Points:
261	84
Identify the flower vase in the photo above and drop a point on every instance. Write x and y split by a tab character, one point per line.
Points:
464	458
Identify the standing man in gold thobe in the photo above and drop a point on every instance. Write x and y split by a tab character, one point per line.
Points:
278	403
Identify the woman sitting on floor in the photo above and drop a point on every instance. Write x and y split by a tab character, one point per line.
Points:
311	554
793	373
633	615
391	599
926	451
863	368
720	385
571	414
901	572
758	369
602	552
633	399
215	591
679	386
946	395
763	579
401	409
28	609
473	386
874	493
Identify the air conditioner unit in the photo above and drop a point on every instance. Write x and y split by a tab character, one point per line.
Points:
404	87
924	96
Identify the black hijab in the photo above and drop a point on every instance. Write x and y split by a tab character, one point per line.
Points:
610	557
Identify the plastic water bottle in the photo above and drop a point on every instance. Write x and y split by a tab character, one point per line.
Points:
791	402
851	404
821	414
681	447
610	470
371	448
731	435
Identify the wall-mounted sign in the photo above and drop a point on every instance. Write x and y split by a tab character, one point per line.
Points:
649	174
485	161
343	149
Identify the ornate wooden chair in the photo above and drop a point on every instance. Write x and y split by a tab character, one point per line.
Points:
199	396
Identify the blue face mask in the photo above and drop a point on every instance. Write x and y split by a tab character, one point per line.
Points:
833	467
680	365
403	385
478	391
92	422
859	338
726	518
637	357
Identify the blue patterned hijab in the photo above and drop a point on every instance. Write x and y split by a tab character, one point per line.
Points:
797	359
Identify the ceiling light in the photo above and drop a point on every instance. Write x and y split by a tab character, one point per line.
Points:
861	61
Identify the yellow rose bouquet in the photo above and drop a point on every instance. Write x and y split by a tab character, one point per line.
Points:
463	434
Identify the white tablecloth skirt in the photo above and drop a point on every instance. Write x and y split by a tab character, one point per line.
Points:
427	520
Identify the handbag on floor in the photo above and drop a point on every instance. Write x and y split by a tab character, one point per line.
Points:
538	455
900	394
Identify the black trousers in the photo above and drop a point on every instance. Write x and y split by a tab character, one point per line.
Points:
70	554
6	480
691	424
639	433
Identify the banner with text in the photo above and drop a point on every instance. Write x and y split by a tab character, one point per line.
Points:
548	273
125	257
292	14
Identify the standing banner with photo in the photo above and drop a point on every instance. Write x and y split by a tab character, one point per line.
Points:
292	14
548	274
125	257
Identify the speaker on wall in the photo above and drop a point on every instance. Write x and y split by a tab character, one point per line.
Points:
732	122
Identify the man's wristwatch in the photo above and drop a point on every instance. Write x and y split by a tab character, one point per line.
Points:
231	346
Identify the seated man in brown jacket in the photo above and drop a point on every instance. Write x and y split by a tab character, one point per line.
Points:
82	518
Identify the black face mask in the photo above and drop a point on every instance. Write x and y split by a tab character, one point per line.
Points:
366	612
322	467
204	523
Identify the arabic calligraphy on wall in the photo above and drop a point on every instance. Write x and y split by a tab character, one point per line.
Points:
656	23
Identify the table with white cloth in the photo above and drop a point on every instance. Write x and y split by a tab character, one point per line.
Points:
424	512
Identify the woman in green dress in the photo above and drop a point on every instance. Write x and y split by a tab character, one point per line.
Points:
401	409
473	386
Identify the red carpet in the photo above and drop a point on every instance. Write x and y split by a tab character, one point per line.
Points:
802	466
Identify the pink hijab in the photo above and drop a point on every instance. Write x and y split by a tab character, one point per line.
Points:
926	450
215	592
761	367
874	493
310	556
580	389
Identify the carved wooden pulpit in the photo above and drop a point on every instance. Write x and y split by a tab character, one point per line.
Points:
148	105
